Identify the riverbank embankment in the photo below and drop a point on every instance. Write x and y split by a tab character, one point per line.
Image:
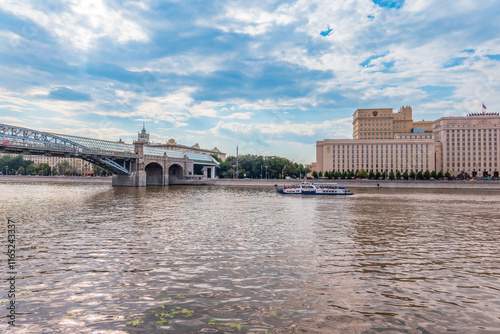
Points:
406	184
54	179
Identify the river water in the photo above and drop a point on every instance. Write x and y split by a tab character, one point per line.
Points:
97	259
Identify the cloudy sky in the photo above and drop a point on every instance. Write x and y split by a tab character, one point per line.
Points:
270	76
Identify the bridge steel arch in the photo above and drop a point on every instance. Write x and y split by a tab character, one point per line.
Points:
19	140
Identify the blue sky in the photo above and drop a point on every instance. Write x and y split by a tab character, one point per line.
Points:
270	76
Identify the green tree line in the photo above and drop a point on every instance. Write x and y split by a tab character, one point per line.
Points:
254	167
10	164
18	165
371	175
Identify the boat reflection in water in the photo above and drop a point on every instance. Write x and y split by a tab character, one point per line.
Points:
306	188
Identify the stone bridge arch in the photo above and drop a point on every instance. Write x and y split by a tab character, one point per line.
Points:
154	174
175	172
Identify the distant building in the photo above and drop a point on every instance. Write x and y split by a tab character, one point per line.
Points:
79	166
312	169
143	136
386	141
381	123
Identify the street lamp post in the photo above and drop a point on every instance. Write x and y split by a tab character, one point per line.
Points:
266	172
261	172
6	170
283	172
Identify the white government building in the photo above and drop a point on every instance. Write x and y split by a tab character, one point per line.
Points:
388	141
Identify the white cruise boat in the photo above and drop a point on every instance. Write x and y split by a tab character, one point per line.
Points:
306	188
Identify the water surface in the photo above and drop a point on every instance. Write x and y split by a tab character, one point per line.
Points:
96	259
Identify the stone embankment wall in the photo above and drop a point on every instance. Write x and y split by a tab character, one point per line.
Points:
367	184
54	179
490	185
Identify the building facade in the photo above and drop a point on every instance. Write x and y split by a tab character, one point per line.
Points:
381	123
172	145
469	144
78	166
457	145
378	155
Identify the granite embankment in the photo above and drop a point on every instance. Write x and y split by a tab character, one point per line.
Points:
490	185
54	179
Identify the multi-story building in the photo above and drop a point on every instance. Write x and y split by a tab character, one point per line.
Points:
77	165
381	123
378	155
468	144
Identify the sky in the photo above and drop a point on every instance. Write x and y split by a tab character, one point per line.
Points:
271	77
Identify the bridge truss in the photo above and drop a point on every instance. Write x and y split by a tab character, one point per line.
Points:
108	155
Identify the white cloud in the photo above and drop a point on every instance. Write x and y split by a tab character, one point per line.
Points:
278	129
188	63
239	115
80	23
11	120
252	20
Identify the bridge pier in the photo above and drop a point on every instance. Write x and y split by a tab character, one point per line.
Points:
136	179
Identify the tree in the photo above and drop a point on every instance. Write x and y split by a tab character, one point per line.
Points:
31	170
242	173
371	175
378	175
398	175
405	175
315	174
62	167
384	175
447	175
412	175
44	168
420	175
362	174
440	174
11	163
327	174
320	174
427	175
433	174
216	158
351	175
21	170
391	175
255	166
97	171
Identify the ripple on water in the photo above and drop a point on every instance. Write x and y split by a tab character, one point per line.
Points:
219	260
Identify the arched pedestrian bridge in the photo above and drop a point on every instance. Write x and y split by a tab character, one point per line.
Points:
133	165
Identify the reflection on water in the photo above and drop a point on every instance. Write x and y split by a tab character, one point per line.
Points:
97	259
